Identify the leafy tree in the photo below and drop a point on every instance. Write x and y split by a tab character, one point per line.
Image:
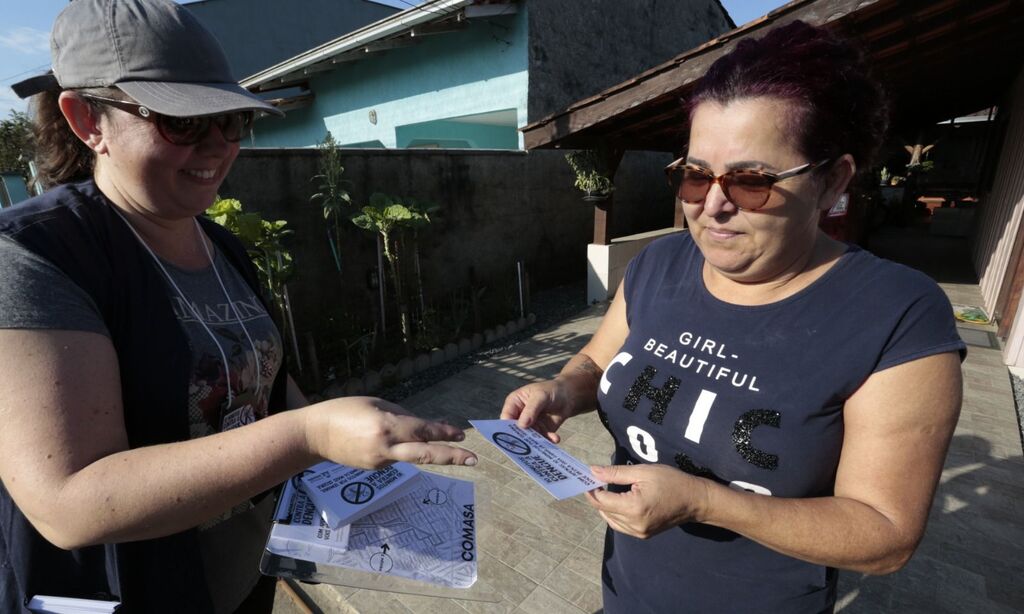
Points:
263	241
16	143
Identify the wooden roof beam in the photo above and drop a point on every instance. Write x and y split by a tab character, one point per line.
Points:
277	84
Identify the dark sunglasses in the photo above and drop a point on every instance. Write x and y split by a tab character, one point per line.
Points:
746	188
186	130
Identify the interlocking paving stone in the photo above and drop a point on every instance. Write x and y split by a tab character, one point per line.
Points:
575	588
543	601
536	565
584	564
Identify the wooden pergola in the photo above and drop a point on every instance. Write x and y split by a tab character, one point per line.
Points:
938	59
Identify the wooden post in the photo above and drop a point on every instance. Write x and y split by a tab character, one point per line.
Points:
678	218
603	220
612	156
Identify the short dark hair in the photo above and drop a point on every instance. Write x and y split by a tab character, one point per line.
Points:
838	108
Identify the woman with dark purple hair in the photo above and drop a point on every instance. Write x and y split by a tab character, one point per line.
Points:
781	402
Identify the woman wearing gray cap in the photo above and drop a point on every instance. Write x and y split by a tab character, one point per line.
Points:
143	381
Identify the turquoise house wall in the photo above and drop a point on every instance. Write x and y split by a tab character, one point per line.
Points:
478	70
12	189
298	128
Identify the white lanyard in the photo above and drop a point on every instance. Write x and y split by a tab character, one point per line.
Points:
195	312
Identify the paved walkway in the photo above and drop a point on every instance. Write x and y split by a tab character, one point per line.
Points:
539	555
542	556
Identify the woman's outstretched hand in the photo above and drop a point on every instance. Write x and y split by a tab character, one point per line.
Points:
371	433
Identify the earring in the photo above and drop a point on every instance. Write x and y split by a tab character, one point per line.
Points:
842	205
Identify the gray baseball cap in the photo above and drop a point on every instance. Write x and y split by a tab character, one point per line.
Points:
155	51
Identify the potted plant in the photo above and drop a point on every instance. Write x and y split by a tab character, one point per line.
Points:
591	177
891	187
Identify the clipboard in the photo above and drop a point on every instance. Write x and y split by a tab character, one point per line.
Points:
382	550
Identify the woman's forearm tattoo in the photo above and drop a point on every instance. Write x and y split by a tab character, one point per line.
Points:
588	367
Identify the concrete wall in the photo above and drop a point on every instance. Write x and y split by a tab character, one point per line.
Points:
497	207
577	53
606	264
481	69
257	34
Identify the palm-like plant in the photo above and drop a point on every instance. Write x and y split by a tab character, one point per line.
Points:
387	217
331	194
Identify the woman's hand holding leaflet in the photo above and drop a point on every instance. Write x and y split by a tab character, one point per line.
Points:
658	497
544	406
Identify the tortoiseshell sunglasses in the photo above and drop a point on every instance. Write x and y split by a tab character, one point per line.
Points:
746	188
186	130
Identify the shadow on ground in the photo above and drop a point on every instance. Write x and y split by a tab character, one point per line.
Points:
972	555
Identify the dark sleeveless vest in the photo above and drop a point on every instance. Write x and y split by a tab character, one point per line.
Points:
74	227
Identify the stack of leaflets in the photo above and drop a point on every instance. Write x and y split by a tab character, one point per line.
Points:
396	521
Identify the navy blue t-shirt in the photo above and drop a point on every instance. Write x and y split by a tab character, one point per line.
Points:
752	397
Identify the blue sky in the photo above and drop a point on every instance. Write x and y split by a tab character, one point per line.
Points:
25	32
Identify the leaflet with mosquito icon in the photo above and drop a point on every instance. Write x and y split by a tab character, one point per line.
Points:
557	471
344	493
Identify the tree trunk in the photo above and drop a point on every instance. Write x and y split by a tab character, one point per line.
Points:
391	254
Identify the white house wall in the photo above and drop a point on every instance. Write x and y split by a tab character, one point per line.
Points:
1000	219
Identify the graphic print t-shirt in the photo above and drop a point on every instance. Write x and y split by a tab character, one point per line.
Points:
249	376
750	396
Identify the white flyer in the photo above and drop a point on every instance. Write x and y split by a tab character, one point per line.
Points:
344	493
558	472
48	604
427	533
302	520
